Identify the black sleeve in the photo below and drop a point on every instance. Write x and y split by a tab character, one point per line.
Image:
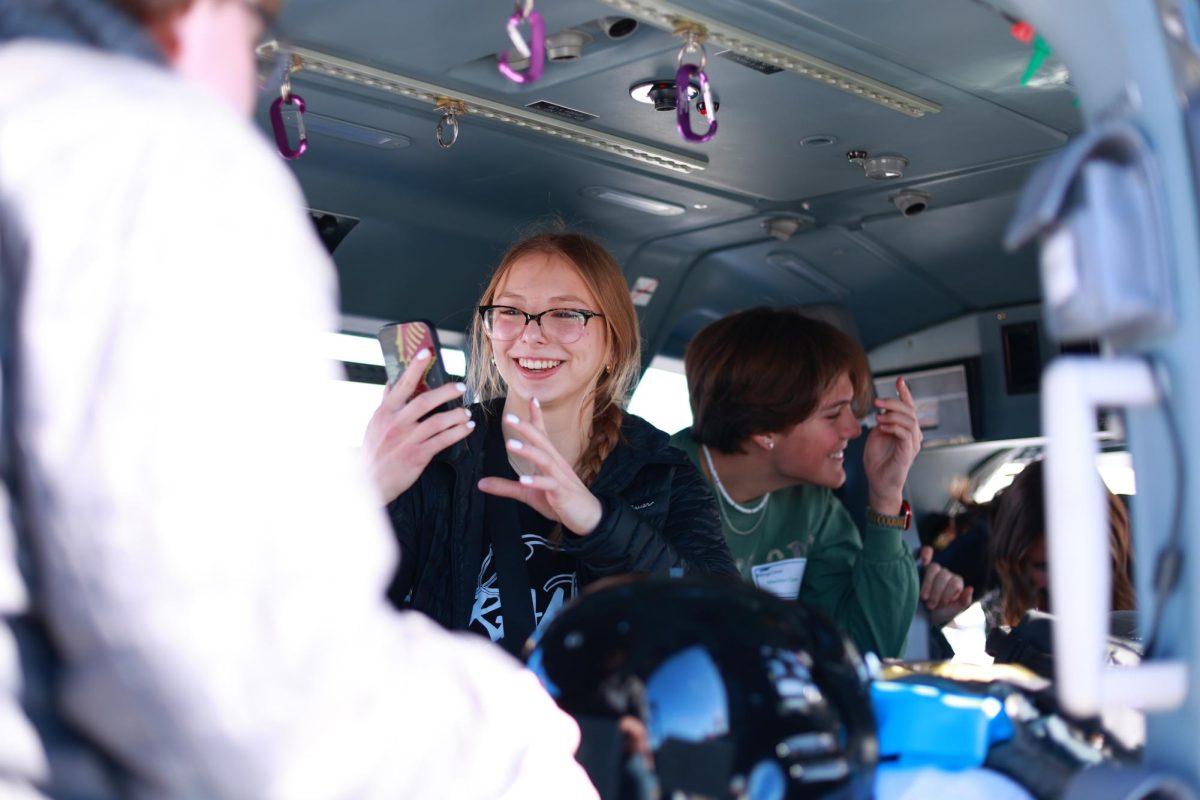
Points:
691	535
623	542
403	516
694	525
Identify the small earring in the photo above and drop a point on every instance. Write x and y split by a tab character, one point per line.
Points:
771	445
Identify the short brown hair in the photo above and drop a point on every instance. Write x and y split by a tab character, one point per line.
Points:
765	370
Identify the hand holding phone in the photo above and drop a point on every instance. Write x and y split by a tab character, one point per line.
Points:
421	413
401	341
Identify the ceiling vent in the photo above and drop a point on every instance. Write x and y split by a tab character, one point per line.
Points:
911	202
880	168
617	27
566	45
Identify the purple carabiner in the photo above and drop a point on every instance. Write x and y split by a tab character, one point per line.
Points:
683	120
537	48
281	138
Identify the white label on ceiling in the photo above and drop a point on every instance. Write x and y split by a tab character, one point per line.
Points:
643	291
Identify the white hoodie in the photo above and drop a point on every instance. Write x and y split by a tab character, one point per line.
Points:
211	567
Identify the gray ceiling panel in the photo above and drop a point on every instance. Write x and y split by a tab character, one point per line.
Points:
958	247
826	266
434	221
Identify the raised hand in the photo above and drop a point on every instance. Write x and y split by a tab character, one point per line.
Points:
398	444
891	449
555	491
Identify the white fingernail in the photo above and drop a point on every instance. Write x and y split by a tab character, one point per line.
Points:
527	480
468	412
512	419
462	387
422	354
537	403
471	425
515	444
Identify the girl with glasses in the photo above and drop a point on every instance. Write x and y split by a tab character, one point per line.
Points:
552	466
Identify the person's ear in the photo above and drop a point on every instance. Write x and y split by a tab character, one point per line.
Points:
765	441
610	360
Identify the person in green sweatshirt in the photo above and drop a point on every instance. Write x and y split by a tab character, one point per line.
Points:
776	397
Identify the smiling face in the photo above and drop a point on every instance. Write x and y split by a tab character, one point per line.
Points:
534	364
813	451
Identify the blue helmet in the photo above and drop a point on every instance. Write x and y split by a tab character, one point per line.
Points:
709	688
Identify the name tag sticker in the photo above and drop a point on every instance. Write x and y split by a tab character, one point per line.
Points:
780	578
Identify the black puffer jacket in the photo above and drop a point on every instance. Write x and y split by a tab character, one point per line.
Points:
658	514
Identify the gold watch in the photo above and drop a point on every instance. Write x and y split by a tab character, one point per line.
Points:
901	520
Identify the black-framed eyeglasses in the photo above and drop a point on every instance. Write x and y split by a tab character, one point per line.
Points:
563	325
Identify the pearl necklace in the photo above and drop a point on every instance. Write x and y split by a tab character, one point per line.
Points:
759	509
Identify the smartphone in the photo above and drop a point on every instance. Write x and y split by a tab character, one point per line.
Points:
401	341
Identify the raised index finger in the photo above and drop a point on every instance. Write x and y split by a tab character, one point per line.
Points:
531	431
535	415
903	390
402	391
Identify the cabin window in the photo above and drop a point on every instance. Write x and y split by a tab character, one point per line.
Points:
1114	465
661	397
351	401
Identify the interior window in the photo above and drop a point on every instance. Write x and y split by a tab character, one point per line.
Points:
1115	466
350	403
662	397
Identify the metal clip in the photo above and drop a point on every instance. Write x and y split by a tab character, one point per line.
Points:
692	36
451	110
286	97
535	51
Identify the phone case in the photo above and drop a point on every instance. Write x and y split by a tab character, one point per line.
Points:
401	341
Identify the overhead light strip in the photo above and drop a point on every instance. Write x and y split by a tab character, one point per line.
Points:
363	75
744	43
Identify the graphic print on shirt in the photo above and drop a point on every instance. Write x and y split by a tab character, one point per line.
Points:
554	583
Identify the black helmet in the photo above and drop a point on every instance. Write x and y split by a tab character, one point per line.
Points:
709	688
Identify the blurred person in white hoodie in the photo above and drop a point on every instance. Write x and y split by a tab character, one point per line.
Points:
192	594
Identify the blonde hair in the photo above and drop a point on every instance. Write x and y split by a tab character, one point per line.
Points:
622	365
